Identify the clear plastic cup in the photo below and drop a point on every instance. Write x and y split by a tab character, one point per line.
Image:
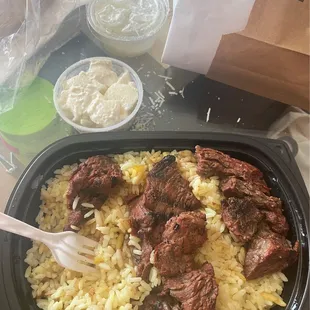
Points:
83	65
125	44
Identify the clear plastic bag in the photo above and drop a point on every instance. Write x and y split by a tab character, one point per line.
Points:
30	30
27	39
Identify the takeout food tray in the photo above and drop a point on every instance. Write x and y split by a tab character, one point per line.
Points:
272	157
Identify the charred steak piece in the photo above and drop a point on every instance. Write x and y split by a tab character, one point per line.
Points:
142	220
149	227
187	231
166	191
276	221
182	236
157	302
233	187
171	261
146	223
241	218
143	261
212	162
93	180
157	233
166	194
268	252
270	207
75	218
196	290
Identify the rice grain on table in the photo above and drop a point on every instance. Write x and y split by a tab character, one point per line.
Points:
116	284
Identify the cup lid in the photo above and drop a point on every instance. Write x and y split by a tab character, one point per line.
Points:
128	20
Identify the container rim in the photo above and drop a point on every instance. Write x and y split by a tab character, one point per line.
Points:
81	128
265	148
96	29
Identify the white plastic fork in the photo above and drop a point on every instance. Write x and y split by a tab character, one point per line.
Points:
68	248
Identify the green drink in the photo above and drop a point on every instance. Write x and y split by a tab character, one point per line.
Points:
33	123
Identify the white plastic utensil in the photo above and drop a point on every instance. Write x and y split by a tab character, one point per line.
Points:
68	248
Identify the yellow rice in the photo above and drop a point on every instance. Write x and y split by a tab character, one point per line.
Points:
116	285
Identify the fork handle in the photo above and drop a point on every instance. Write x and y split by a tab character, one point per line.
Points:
15	226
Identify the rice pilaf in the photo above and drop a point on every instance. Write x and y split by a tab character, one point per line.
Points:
116	285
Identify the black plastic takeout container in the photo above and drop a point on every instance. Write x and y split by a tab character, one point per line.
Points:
272	157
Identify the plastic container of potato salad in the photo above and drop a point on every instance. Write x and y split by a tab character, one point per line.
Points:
127	28
118	67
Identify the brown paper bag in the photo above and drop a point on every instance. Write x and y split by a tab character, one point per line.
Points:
271	56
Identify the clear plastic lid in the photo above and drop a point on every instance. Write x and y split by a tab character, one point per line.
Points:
127	20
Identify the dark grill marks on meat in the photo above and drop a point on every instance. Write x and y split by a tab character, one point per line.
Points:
92	182
168	196
276	221
157	302
146	223
157	232
212	162
143	261
174	259
249	203
268	252
149	227
188	231
171	261
165	195
233	187
241	218
270	207
196	290
167	191
75	218
142	220
182	236
244	181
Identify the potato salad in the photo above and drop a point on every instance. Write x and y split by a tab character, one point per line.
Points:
98	97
